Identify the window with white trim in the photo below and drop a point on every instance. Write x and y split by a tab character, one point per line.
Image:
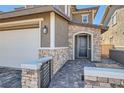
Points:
114	19
85	18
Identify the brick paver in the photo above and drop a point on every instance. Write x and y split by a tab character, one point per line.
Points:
10	78
70	75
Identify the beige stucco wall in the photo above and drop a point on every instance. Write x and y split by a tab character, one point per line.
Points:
61	28
46	16
78	18
46	37
116	32
61	32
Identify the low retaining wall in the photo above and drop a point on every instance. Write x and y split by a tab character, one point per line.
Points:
117	55
103	78
59	55
31	73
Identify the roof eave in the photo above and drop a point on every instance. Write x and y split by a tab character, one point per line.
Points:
101	27
35	10
105	14
92	8
97	8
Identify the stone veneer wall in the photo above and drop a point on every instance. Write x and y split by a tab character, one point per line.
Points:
73	29
59	55
103	82
32	73
30	78
103	78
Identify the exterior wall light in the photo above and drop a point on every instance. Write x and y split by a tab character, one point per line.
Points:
45	30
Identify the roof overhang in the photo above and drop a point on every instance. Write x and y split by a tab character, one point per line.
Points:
106	13
29	11
101	27
109	12
87	10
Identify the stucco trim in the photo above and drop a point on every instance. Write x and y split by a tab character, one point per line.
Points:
52	29
40	28
19	27
66	9
80	32
22	21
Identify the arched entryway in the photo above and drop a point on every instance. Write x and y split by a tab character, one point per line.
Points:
83	45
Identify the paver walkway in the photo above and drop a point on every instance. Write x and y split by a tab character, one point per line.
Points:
10	78
71	74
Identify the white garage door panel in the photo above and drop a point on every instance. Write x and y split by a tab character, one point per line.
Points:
18	46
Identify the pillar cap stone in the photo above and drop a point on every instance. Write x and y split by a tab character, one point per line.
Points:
35	65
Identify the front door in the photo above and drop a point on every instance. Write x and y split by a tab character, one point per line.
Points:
81	46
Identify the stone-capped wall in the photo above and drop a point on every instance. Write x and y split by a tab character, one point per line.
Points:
73	29
103	82
59	55
103	77
33	73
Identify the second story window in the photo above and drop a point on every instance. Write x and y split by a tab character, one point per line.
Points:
114	19
85	18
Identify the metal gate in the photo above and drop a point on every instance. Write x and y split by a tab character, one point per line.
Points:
45	74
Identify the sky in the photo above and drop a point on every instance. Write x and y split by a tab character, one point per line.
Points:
97	19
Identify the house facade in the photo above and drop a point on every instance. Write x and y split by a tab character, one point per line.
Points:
113	38
113	18
63	32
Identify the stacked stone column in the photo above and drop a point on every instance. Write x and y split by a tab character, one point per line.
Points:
30	78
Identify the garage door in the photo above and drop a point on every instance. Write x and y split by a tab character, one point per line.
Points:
18	47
